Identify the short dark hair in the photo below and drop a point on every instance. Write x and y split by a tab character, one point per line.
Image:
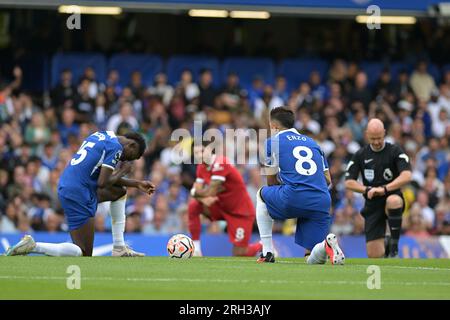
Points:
284	116
139	140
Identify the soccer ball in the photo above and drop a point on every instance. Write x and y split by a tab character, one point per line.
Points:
180	246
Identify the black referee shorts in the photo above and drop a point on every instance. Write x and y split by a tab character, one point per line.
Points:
375	217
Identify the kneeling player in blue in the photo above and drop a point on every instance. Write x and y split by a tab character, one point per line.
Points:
297	179
91	177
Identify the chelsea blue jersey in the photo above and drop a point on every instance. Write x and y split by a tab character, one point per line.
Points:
299	161
101	148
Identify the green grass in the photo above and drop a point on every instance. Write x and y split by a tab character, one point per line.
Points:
220	278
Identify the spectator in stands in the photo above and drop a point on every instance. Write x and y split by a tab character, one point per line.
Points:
302	97
84	103
231	91
112	81
281	89
318	90
441	124
141	206
256	91
405	109
68	126
305	123
357	121
402	87
37	133
65	91
15	218
94	87
25	108
415	224
161	88
189	88
422	83
425	211
384	87
361	92
136	84
101	112
326	112
123	118
207	94
265	103
338	73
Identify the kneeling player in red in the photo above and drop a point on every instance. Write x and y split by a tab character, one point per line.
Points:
220	194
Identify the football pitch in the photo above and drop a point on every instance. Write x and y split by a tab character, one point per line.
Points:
220	278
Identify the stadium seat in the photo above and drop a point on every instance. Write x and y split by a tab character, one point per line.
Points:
298	70
176	64
77	63
445	68
248	68
126	64
434	71
373	71
397	67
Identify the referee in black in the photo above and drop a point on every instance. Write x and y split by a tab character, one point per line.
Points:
385	168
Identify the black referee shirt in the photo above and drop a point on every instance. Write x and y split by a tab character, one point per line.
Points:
378	168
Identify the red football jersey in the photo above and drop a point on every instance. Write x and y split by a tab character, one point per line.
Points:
234	199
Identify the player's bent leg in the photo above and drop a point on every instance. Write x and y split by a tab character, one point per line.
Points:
83	237
239	251
265	225
58	249
117	196
249	250
27	245
394	211
375	248
195	209
318	254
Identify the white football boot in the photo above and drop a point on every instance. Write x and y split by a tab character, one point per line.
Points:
333	250
22	248
126	251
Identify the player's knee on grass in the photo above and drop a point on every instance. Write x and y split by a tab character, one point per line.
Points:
393	202
239	251
375	248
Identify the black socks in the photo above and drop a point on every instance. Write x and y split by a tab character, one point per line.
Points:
395	226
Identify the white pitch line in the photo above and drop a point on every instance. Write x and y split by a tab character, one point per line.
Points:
330	282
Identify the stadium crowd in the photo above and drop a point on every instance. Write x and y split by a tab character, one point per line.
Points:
36	141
